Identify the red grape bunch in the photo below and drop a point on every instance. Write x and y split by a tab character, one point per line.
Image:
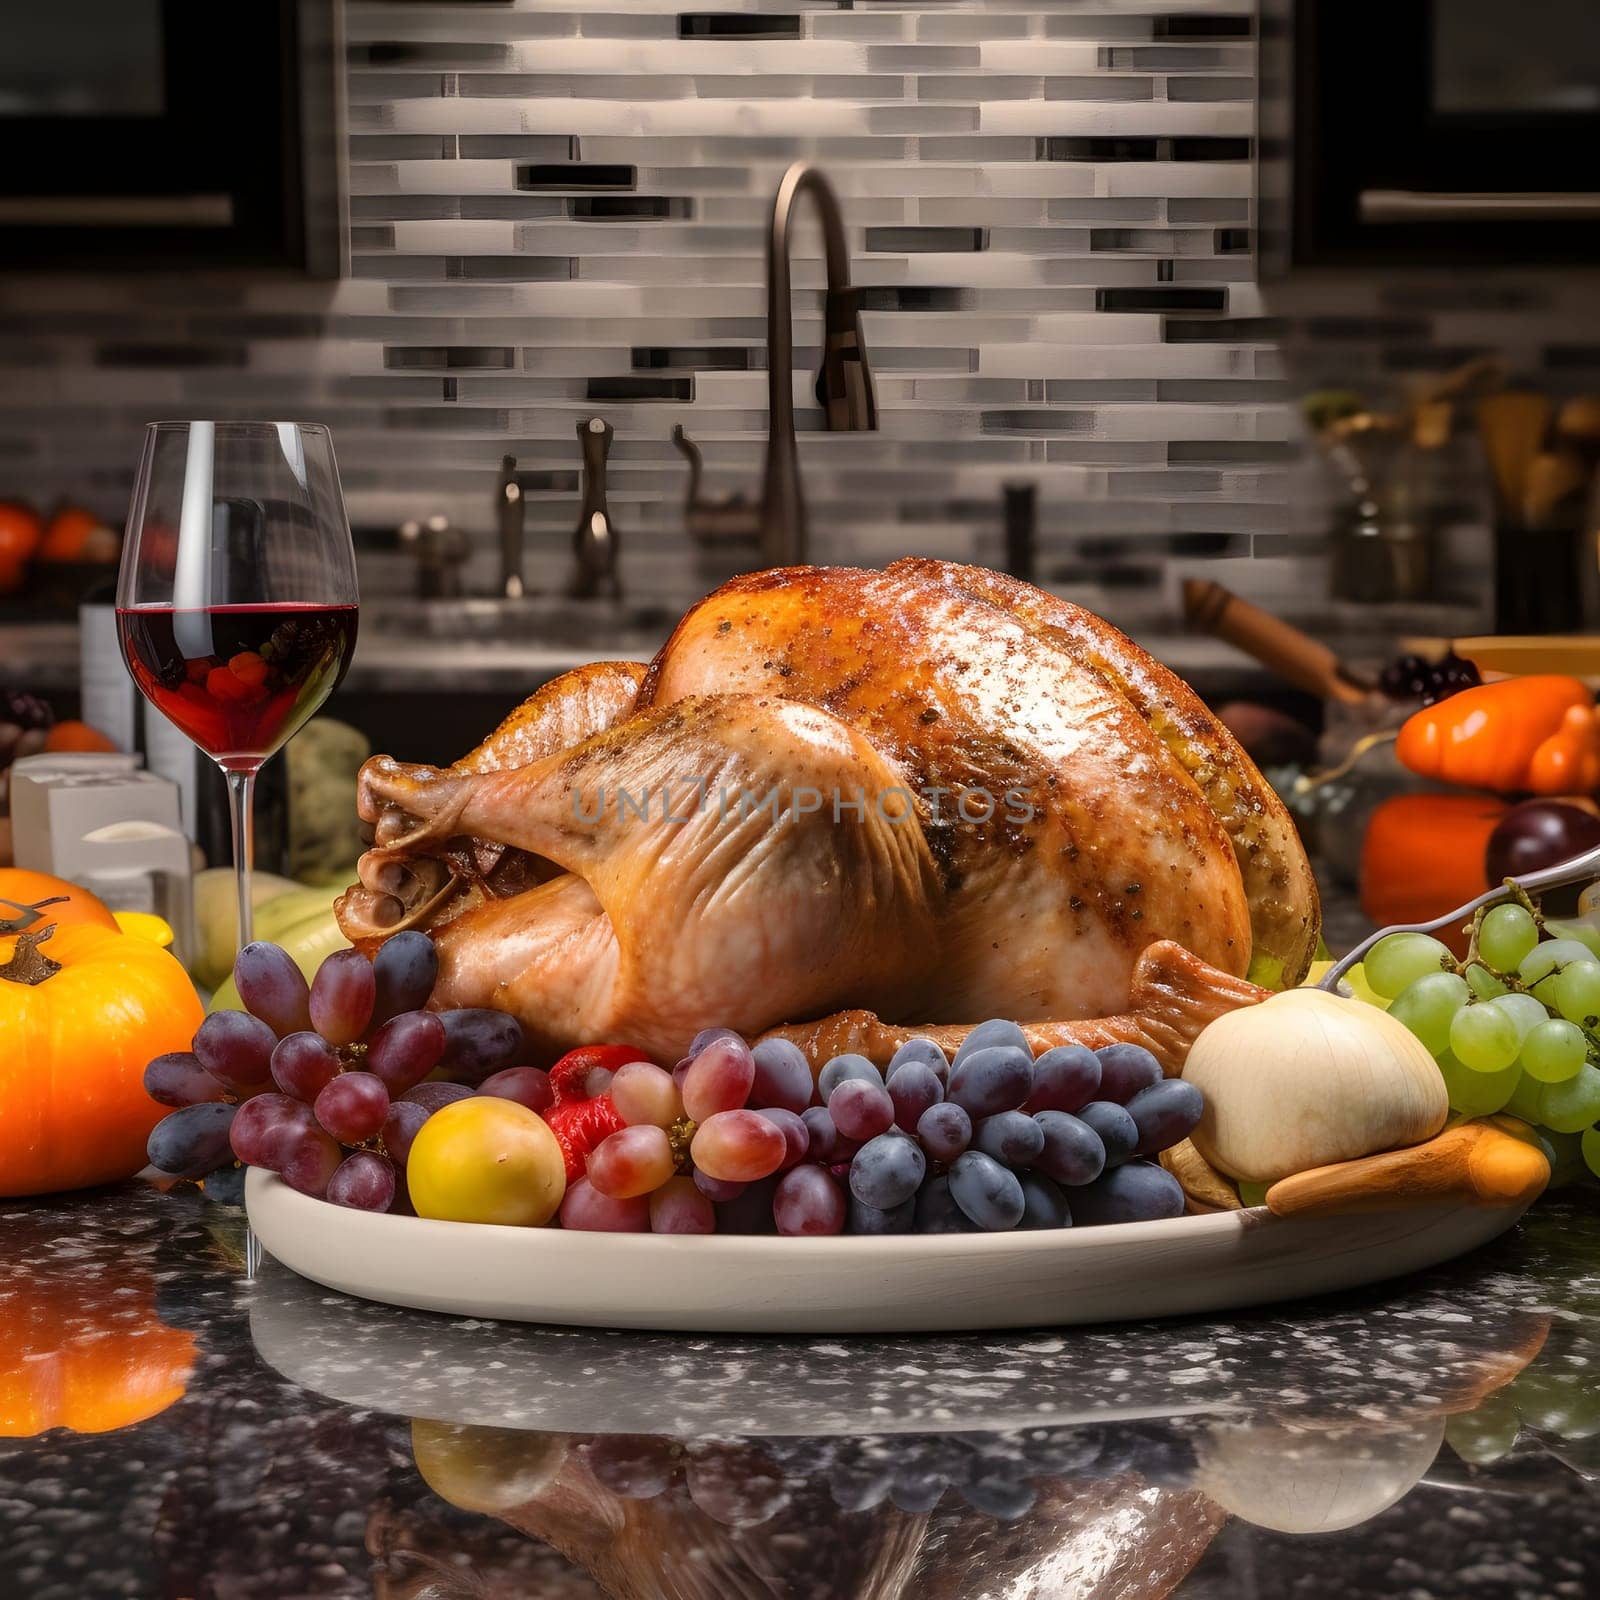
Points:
327	1083
688	1140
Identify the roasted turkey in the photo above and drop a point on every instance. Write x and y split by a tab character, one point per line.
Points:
853	805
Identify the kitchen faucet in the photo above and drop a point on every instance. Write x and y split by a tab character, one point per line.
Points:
844	385
511	512
594	540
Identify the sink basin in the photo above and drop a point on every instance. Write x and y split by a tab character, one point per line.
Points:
547	623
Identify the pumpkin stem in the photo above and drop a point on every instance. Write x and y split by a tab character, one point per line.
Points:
28	963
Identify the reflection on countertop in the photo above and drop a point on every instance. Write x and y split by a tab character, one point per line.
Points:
167	1428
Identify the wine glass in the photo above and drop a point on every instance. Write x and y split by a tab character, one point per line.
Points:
236	603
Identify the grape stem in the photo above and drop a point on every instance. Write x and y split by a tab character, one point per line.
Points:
1473	959
680	1136
1519	896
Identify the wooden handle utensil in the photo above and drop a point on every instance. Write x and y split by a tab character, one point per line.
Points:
1513	426
1473	1163
1296	657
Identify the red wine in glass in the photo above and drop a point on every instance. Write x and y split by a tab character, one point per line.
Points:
239	680
236	602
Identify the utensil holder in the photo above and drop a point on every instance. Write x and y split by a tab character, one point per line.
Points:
1538	579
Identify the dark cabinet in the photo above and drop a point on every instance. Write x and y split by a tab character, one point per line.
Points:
171	133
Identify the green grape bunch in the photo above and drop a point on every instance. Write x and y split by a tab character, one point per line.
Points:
1514	1024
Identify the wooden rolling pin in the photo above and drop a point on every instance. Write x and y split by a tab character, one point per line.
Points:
1296	657
1473	1163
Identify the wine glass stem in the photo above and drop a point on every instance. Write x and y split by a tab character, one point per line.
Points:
241	794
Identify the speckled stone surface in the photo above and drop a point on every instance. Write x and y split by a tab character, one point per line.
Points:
1427	1441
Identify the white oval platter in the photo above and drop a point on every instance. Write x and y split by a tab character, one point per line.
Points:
738	1283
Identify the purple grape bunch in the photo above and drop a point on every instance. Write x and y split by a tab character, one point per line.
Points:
996	1139
327	1083
992	1140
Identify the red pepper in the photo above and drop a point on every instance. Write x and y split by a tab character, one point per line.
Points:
569	1076
579	1126
579	1119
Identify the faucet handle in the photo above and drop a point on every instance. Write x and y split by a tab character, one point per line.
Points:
594	438
510	514
844	382
691	453
595	539
712	518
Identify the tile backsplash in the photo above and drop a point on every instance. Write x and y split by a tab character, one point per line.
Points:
558	208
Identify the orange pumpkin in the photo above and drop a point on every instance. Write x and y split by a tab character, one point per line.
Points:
20	533
82	1011
84	1348
1423	856
77	535
75	735
32	901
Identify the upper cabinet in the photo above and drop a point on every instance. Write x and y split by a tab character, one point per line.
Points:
171	133
1438	131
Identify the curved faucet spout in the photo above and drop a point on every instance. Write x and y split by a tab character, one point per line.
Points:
844	386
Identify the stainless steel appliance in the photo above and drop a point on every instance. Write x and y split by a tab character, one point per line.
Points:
171	132
1439	130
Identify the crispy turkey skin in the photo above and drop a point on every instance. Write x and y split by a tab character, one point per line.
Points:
925	795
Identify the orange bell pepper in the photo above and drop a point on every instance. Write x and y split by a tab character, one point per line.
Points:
1539	734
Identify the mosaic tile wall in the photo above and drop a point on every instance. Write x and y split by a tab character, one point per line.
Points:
558	209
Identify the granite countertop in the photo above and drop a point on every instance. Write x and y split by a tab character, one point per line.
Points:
1432	1439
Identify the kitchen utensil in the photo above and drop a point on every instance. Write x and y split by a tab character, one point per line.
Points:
1578	420
1479	376
1513	426
1296	657
1553	477
237	599
1538	571
1431	422
1579	869
899	1284
1474	1158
